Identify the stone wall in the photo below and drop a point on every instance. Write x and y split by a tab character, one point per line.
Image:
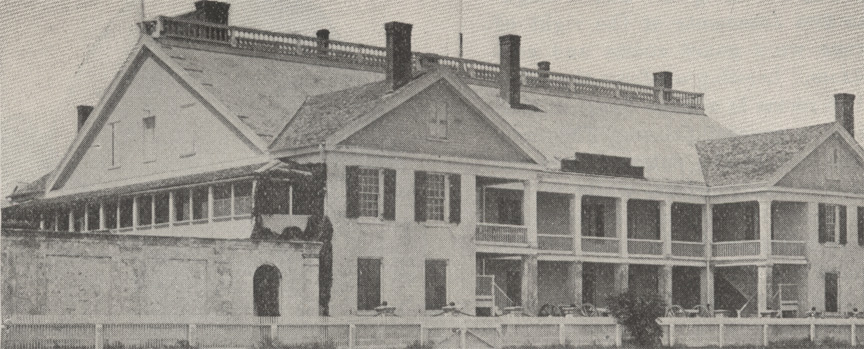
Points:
100	274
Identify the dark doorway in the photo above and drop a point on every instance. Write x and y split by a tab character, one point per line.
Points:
436	284
266	290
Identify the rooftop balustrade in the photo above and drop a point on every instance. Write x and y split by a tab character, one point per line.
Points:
373	58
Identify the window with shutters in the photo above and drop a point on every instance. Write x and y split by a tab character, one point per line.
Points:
368	283
436	197
832	224
370	187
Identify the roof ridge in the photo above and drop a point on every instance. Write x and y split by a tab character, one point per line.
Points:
767	133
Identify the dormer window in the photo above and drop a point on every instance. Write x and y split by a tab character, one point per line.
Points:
438	121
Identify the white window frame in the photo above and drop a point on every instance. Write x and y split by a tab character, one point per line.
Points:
833	166
379	197
439	121
446	209
835	225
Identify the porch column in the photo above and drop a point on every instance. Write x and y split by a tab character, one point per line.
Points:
529	284
706	285
665	283
622	277
666	227
763	280
102	215
310	281
621	225
529	211
708	230
71	219
765	228
575	276
576	225
469	202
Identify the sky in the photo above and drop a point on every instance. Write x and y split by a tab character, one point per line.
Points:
762	65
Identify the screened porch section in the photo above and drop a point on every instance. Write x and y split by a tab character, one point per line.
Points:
500	211
761	229
599	225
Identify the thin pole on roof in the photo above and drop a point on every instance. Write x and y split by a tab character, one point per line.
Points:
460	28
143	12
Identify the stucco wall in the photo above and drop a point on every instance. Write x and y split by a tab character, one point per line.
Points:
100	274
845	260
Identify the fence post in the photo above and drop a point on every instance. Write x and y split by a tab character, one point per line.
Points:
463	339
618	335
671	334
853	341
561	339
274	332
351	334
98	338
422	334
720	336
765	335
190	335
813	331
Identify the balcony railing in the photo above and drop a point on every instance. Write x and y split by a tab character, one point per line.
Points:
735	248
645	247
493	232
596	244
550	242
788	248
688	249
373	58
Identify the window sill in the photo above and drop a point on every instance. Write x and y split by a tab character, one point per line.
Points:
434	139
832	245
187	155
373	220
181	223
438	224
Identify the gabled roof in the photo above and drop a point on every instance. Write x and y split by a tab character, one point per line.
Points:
756	158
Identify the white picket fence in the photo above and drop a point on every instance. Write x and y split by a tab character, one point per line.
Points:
38	332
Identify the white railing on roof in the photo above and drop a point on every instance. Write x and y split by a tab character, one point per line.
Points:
373	57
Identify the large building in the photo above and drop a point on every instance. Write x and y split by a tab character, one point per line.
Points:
454	180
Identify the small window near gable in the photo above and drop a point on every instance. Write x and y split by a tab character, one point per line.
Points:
438	121
833	166
114	159
149	141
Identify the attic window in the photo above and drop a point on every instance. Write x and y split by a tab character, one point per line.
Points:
833	165
438	121
149	141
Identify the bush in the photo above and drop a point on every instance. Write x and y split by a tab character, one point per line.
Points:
262	233
181	344
275	344
638	313
417	345
292	234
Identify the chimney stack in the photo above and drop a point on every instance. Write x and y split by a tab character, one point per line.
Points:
844	111
543	66
323	41
509	77
398	53
83	113
212	11
663	79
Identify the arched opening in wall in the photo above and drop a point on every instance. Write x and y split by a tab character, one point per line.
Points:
266	290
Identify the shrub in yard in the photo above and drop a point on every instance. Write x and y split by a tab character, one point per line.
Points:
417	345
181	344
554	346
275	344
638	313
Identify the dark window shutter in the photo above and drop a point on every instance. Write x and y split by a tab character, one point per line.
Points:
420	196
823	231
352	192
389	194
455	199
861	226
843	224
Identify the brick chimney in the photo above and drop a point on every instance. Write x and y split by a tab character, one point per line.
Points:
509	78
212	11
323	41
398	53
83	113
543	66
844	111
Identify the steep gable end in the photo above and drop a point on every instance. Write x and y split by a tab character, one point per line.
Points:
437	121
156	125
832	166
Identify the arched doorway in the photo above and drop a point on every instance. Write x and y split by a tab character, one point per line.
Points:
266	290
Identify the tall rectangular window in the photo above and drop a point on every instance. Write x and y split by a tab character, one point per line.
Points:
78	215
436	284
149	140
161	207
93	216
436	197
831	292
63	219
200	201
242	198
182	210
145	210
368	283
222	200
592	220
832	223
370	192
114	159
438	121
